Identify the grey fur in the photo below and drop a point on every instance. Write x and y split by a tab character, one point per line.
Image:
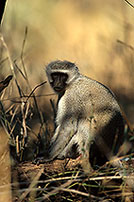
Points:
88	116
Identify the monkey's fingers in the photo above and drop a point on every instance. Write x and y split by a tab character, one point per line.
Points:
41	160
4	83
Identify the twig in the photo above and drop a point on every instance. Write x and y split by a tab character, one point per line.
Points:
88	179
33	184
5	83
8	55
19	70
24	111
57	189
12	99
10	63
129	3
35	89
3	60
2	9
127	45
22	53
75	191
27	80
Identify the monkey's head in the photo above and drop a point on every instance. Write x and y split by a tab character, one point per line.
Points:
60	74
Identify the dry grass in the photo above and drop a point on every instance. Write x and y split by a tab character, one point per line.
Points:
98	38
61	181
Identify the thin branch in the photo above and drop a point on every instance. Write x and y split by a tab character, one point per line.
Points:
10	63
2	9
22	53
24	42
8	55
12	99
19	70
3	60
34	90
129	3
75	191
32	185
57	189
5	83
126	45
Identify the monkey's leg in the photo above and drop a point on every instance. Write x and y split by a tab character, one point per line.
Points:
107	151
83	153
85	137
85	163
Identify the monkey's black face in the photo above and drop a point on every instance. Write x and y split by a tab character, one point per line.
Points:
59	81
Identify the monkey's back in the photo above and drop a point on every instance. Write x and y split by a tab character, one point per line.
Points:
92	99
89	97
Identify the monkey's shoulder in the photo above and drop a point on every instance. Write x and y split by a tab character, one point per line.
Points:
86	93
85	85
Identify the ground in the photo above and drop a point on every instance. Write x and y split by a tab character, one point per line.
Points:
64	180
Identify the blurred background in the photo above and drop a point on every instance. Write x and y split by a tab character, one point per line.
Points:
97	35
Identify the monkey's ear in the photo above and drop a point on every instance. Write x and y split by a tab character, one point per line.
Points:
5	83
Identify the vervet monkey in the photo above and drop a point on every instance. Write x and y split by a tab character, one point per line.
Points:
89	121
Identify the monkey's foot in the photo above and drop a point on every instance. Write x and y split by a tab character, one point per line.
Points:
40	160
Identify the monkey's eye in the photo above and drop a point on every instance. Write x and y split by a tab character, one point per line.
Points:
54	76
64	77
59	77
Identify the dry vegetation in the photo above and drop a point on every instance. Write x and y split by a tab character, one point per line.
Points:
98	36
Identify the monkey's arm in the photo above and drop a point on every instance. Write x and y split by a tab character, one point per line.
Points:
63	135
61	138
